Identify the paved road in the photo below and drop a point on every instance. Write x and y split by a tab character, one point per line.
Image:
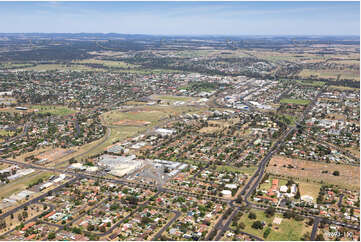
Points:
316	221
225	227
339	204
157	236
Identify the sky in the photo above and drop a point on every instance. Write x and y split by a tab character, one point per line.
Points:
182	18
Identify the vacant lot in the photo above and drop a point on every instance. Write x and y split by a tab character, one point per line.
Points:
21	157
331	74
128	122
312	171
137	116
53	154
295	101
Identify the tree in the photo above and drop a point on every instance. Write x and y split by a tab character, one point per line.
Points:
242	225
102	229
252	215
270	212
90	227
298	195
306	236
51	235
319	237
266	232
257	225
76	230
288	214
336	173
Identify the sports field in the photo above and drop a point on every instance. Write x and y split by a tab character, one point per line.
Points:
294	101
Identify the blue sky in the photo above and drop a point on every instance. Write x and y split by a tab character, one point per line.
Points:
178	18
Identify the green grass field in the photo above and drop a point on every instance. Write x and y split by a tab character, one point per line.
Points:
6	133
295	101
311	83
289	229
56	110
289	119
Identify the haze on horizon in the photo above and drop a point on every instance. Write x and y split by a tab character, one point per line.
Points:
182	18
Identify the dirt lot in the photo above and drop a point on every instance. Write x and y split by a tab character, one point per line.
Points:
21	157
53	154
128	122
308	170
209	130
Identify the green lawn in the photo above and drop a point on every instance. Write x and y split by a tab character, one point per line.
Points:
295	101
289	229
288	119
6	133
56	110
248	222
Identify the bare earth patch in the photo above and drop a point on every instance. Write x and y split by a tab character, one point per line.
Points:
53	154
128	122
312	171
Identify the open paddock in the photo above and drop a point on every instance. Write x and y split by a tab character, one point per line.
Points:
312	171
